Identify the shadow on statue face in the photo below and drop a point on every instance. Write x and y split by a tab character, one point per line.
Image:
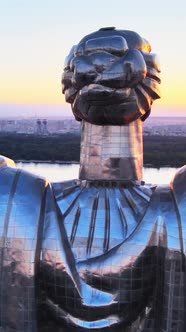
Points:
111	78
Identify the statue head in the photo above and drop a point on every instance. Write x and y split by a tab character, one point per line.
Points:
111	77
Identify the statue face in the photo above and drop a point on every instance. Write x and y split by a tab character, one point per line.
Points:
111	77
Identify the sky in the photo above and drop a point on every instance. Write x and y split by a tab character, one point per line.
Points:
36	36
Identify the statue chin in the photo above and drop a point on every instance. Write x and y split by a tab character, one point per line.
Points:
102	105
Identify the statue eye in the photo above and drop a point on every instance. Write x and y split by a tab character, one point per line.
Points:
102	60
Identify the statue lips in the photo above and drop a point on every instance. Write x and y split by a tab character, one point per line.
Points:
97	94
103	105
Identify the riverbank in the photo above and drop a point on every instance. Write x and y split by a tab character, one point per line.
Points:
58	162
62	172
70	162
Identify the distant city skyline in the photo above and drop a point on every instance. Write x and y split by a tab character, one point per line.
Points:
45	111
37	35
36	111
44	126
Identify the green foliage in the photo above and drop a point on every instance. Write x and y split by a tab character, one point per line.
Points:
158	150
165	151
64	147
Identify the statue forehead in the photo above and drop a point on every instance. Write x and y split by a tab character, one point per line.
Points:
133	39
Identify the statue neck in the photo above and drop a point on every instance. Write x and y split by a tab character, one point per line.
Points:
111	152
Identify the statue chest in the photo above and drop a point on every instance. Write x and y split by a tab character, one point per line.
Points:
98	218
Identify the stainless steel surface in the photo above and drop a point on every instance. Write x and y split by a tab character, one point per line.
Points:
91	255
4	161
22	198
111	77
111	152
102	253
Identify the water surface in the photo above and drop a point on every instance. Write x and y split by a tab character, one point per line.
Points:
60	172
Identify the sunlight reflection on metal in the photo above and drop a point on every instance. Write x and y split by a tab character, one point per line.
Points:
105	252
111	77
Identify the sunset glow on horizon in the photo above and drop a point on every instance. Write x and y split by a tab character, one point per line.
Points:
36	37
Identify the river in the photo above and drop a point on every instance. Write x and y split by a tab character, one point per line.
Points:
60	172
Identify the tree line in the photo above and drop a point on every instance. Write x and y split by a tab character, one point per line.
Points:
158	150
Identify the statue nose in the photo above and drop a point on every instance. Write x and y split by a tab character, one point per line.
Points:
109	70
84	72
128	71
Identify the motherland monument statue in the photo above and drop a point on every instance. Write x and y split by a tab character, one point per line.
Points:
105	252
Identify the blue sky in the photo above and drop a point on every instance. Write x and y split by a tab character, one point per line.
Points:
36	35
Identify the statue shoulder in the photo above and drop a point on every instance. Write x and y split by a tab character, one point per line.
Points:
178	183
4	161
178	187
11	176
